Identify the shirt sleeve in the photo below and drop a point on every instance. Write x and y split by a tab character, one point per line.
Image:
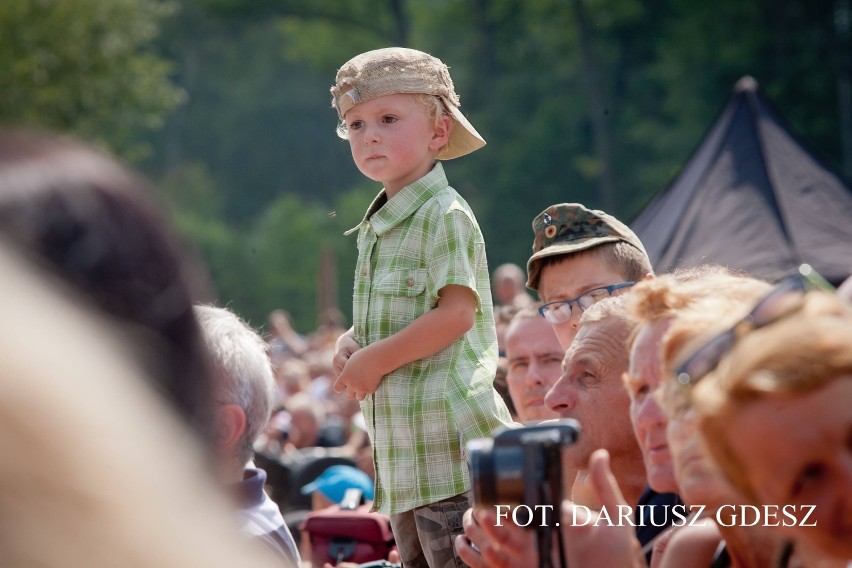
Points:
457	248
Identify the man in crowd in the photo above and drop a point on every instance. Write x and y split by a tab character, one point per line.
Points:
534	364
591	391
507	285
244	392
644	374
581	256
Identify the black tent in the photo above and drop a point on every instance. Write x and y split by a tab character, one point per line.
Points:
753	198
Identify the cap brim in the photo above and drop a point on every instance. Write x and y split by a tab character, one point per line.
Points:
533	270
464	138
309	488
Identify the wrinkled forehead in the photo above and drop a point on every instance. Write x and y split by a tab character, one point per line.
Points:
599	341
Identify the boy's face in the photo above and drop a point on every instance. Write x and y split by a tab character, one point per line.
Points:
570	278
393	140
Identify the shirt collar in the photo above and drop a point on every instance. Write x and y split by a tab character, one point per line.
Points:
384	214
249	491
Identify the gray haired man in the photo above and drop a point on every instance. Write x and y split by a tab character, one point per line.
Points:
244	394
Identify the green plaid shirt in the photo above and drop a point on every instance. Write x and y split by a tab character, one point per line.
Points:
424	413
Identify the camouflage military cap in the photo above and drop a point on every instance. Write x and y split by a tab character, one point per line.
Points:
570	227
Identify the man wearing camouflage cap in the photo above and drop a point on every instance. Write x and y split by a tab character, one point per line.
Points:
581	256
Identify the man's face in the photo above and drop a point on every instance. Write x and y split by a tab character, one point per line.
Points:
534	358
570	278
649	420
591	391
505	290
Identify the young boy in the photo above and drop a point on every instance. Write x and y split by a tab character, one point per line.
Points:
422	352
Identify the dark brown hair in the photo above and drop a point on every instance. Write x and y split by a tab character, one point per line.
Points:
83	217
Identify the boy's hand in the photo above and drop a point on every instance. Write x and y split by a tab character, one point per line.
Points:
361	374
343	350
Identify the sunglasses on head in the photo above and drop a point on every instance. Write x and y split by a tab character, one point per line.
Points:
783	300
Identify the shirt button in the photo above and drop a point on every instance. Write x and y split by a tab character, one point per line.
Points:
410	282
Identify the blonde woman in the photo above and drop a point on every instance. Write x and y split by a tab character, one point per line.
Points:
777	417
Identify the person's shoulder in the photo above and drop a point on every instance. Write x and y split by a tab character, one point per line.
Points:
447	203
443	199
444	216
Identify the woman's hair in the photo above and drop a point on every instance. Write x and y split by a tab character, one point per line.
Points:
91	223
666	295
797	355
696	302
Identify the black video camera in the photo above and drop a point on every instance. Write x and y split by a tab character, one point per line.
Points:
520	465
521	468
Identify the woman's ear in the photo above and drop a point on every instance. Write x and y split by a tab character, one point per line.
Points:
441	135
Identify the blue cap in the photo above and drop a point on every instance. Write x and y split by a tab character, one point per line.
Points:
335	480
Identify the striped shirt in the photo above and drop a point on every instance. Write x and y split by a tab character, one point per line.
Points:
423	413
261	519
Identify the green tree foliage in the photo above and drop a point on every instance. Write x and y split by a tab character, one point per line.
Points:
596	101
87	67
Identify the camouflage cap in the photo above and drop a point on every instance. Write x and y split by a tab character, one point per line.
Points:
571	227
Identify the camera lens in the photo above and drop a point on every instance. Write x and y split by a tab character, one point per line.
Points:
497	473
482	470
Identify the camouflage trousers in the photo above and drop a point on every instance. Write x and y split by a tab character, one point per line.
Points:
426	536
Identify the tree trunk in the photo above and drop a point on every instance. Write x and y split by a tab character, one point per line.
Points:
598	109
403	24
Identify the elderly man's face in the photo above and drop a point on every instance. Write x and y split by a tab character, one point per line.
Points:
534	358
649	420
570	278
591	391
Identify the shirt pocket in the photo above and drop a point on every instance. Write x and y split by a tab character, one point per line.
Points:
398	298
404	282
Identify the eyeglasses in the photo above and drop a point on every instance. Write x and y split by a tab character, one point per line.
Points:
560	311
783	300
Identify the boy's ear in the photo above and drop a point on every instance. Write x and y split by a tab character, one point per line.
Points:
441	136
